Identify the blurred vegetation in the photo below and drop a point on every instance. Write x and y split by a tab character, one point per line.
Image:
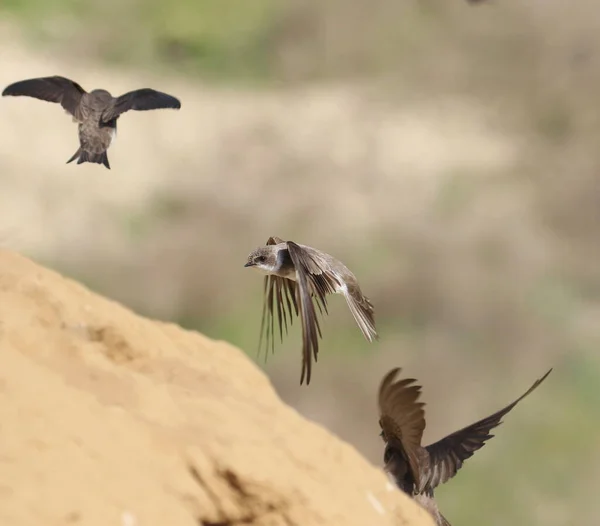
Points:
294	40
497	271
212	37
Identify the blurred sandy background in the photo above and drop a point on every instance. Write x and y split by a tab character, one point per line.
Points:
449	155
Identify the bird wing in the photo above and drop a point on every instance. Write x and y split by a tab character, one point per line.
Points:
51	89
362	310
360	306
317	267
140	100
312	280
279	296
448	454
402	417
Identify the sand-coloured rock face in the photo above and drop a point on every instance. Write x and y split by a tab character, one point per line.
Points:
107	418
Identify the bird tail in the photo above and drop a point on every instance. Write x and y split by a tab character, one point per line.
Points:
362	310
89	157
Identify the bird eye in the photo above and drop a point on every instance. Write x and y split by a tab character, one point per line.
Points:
261	259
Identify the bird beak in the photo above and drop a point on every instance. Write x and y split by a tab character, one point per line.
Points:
249	264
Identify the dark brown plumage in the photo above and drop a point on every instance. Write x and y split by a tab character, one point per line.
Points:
418	470
295	275
96	112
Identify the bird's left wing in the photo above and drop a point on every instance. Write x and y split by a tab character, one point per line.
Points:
311	280
140	100
448	454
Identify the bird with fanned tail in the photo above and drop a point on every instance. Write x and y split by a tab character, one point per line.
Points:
96	112
418	470
297	278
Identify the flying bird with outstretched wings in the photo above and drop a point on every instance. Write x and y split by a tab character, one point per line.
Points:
418	470
297	278
96	112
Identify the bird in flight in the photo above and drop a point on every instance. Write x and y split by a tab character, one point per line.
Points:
96	112
295	276
418	470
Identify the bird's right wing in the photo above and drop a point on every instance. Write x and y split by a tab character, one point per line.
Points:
140	100
51	89
448	454
279	297
402	417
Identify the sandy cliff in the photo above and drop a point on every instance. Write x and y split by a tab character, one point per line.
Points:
107	418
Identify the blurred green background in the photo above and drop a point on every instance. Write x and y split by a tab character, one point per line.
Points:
448	154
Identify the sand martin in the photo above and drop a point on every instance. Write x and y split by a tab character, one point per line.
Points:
295	274
418	470
96	112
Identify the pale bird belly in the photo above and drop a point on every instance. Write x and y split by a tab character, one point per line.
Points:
288	274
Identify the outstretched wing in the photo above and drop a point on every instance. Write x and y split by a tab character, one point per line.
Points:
312	280
51	89
140	100
402	417
279	297
447	455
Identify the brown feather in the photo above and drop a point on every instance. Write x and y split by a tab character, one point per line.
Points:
401	417
315	276
448	454
50	89
140	100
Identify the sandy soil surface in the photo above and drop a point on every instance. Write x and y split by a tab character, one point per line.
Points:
110	418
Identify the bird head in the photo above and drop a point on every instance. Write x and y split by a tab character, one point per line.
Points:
263	259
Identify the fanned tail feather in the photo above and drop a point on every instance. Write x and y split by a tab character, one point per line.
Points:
75	155
87	157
